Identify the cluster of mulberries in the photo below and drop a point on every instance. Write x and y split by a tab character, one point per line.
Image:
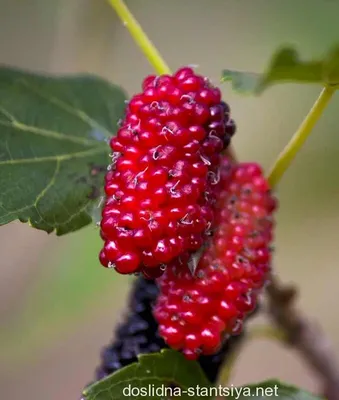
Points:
196	311
162	186
138	334
171	195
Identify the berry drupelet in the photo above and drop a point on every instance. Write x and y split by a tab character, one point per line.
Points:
162	185
196	312
138	334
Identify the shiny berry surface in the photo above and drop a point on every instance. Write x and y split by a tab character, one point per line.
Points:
196	311
162	184
138	334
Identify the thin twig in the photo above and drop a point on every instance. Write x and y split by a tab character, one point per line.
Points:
304	335
297	141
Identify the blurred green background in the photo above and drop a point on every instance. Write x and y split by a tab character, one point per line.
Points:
57	305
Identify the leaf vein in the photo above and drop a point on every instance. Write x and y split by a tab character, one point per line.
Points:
7	114
49	185
66	107
62	157
46	132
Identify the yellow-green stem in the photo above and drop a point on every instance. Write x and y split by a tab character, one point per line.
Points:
286	157
140	37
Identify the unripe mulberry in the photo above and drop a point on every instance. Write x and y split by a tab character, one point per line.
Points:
195	312
161	188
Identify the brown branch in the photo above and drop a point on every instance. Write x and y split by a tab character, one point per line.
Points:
304	335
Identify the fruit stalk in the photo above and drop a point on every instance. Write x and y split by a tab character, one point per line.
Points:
140	37
288	154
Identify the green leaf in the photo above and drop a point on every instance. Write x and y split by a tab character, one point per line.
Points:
268	390
152	374
53	151
287	66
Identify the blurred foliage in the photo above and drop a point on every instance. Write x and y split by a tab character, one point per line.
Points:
73	287
286	66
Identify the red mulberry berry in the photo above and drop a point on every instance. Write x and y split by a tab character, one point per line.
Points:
138	334
195	312
161	187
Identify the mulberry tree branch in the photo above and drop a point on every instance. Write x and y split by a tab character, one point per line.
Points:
304	335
